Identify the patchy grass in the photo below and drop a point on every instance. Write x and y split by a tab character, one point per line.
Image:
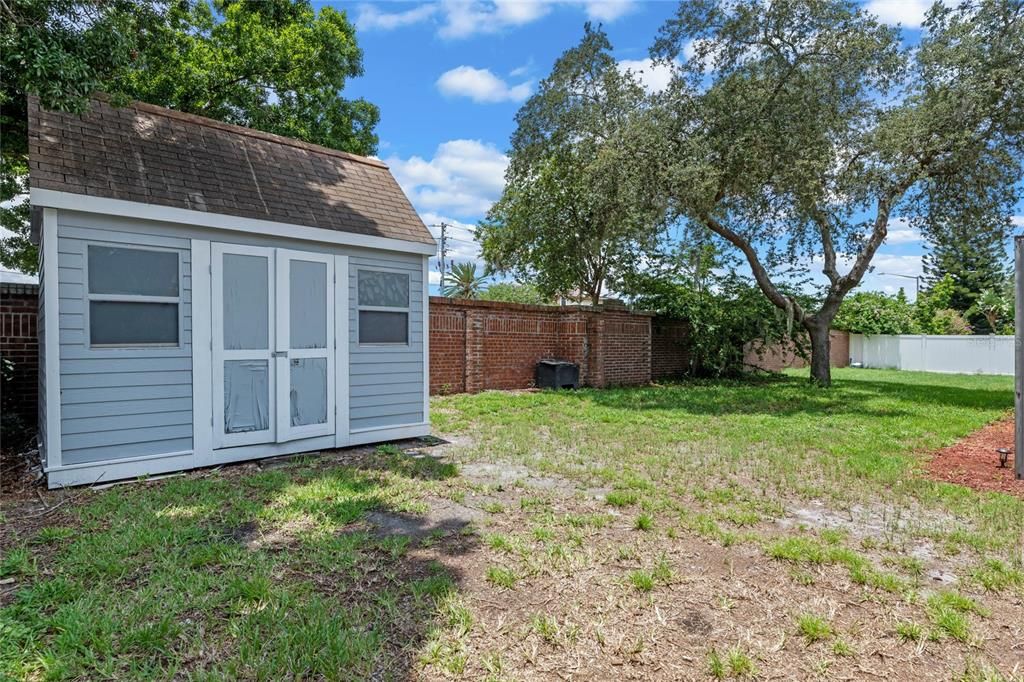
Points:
629	531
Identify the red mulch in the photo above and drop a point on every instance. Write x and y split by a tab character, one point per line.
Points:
974	462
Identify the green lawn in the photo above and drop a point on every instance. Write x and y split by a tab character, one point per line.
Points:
622	507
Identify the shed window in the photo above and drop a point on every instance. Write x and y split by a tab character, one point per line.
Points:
134	296
383	304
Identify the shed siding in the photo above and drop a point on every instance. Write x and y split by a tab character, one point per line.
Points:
386	382
119	403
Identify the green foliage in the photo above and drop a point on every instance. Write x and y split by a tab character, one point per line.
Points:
974	261
995	308
577	210
723	319
950	322
275	65
795	131
937	297
873	312
463	281
514	293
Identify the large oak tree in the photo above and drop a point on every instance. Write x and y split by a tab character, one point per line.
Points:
796	129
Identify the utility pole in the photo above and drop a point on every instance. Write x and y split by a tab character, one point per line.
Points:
444	252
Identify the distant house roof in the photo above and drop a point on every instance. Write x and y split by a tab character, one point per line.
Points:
153	155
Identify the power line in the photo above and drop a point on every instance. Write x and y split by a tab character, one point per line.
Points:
444	250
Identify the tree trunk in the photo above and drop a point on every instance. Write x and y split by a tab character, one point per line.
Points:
821	345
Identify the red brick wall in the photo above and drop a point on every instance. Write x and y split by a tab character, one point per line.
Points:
778	358
669	356
481	345
19	343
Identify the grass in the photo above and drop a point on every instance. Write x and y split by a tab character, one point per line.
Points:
813	628
273	574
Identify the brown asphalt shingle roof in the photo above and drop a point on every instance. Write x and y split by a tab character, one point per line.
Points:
153	155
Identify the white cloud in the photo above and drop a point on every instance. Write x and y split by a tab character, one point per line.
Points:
654	77
463	178
888	273
909	13
480	85
465	18
900	232
1017	220
370	17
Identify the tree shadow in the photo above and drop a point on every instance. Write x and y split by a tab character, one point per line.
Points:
315	570
785	396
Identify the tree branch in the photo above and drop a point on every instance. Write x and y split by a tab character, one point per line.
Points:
760	273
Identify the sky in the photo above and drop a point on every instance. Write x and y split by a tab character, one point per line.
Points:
450	76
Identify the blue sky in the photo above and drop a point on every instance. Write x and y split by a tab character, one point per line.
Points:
449	77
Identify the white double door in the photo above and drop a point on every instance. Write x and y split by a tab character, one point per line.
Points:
274	349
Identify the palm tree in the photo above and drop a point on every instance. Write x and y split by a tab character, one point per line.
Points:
463	281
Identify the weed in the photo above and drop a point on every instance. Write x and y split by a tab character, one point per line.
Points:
644	522
501	576
643	581
813	628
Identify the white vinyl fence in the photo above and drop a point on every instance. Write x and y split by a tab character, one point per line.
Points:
949	354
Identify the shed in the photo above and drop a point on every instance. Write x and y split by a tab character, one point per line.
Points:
210	293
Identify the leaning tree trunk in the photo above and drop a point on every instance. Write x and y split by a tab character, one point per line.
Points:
821	345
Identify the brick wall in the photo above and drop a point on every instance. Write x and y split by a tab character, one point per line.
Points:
481	345
778	358
19	343
669	338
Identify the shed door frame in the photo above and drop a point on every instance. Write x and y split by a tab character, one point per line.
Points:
205	452
286	352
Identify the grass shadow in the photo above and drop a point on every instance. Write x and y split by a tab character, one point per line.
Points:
290	572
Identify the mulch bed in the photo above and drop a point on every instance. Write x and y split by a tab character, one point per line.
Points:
974	461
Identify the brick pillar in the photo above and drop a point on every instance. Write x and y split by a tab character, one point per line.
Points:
474	365
596	350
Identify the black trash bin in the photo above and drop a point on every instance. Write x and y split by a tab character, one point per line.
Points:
557	374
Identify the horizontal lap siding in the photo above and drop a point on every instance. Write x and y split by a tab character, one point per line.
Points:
386	382
118	403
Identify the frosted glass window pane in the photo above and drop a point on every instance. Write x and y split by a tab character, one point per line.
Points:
308	298
308	391
390	289
246	302
124	323
246	396
383	327
114	270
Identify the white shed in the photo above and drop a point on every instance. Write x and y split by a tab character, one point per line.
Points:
211	293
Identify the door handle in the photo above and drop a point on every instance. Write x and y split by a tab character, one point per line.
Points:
280	354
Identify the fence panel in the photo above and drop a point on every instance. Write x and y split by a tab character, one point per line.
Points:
947	354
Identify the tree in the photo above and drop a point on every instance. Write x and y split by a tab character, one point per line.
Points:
798	128
872	312
723	319
275	65
575	212
997	310
514	293
974	260
463	281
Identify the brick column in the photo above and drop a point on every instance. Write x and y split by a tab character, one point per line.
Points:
475	320
596	350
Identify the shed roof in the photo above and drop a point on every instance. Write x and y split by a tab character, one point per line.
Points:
149	154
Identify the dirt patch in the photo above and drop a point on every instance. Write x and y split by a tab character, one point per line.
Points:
974	461
443	517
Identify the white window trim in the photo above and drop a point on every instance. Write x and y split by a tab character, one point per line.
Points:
386	309
89	297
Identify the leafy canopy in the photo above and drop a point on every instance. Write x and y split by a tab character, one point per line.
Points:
873	312
798	128
275	65
576	211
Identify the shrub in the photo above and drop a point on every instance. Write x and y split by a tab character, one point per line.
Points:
872	312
